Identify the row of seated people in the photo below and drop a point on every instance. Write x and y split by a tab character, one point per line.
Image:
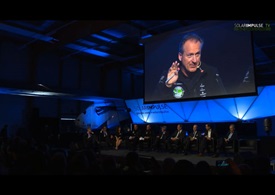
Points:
103	139
178	141
132	139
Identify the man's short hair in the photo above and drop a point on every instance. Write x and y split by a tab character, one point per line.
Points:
164	127
190	36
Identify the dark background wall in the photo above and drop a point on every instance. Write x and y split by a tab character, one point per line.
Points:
28	67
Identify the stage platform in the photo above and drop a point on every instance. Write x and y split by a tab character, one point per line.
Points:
160	156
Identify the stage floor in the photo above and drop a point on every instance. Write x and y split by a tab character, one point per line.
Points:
160	156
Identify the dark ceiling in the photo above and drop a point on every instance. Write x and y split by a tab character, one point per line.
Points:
118	42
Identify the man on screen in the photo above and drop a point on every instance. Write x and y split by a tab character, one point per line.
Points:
189	77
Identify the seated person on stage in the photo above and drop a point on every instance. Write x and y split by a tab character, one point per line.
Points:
176	140
146	138
161	139
91	140
104	136
193	138
209	137
229	138
133	139
118	137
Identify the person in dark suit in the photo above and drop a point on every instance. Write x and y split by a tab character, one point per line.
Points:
175	142
192	138
229	138
134	136
209	137
161	139
91	140
105	137
146	138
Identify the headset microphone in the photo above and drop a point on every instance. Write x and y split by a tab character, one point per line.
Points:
199	67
